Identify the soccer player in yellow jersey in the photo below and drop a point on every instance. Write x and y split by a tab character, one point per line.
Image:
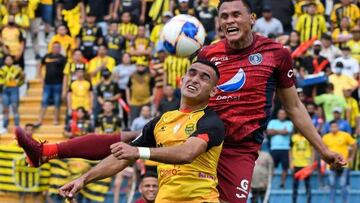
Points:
342	143
189	140
301	156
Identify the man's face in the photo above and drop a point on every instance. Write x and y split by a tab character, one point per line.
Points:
141	31
356	35
102	51
146	112
90	20
108	107
56	48
267	15
80	74
310	108
126	18
334	128
62	30
337	115
199	82
235	21
113	28
29	130
311	9
347	93
149	188
168	91
9	60
77	56
281	115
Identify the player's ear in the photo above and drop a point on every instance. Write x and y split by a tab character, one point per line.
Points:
213	91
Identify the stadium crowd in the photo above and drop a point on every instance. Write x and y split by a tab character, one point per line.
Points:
106	62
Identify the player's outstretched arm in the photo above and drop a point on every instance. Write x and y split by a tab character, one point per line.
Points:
301	119
180	154
106	168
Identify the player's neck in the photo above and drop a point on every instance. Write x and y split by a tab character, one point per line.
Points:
188	106
241	44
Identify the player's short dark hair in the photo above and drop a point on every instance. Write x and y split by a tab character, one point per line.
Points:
150	173
209	63
332	122
246	3
29	125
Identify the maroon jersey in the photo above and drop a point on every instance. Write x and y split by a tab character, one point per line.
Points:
248	80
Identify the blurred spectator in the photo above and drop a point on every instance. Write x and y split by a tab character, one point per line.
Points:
127	29
344	144
302	6
108	122
329	50
101	11
122	75
80	94
207	15
29	129
282	10
354	43
294	40
267	24
184	8
342	35
128	173
89	37
280	131
54	64
157	71
175	67
3	12
107	90
350	64
77	61
316	119
169	102
115	42
11	78
100	62
148	188
301	156
3	52
261	178
341	80
21	19
140	46
311	24
67	43
346	8
329	101
47	10
353	108
314	64
79	124
71	13
13	39
139	89
133	6
156	31
142	120
342	124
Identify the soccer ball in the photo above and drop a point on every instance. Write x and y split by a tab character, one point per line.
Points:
183	35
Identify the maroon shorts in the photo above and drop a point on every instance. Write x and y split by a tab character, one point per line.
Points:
235	171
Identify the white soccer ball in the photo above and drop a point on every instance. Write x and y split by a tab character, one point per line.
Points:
183	35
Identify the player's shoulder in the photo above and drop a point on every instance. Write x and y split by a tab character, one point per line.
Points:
212	49
211	118
266	44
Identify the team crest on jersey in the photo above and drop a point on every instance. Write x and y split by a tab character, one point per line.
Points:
189	128
235	83
255	59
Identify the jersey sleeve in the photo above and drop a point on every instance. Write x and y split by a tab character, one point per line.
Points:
284	73
350	140
210	129
147	137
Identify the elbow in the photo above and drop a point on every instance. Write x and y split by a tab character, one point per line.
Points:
187	158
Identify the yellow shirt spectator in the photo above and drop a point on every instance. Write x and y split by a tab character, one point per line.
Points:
175	67
67	44
341	83
339	142
22	20
3	12
301	151
12	37
355	49
340	37
155	33
352	11
80	91
310	26
353	106
301	6
96	64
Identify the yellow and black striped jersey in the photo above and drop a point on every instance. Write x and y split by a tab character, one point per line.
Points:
197	181
301	7
175	67
310	26
11	76
339	11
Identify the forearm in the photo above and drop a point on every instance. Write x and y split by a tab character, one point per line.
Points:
106	168
172	155
303	123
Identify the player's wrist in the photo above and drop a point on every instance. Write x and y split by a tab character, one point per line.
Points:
144	153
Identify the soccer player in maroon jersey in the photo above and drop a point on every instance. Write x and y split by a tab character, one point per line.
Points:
253	69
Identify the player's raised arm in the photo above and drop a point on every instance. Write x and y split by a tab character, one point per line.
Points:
299	116
106	168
